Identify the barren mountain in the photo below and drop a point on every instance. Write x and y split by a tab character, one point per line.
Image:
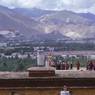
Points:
10	20
69	23
37	24
33	12
74	25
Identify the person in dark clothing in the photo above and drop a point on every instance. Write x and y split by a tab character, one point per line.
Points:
78	65
58	66
67	66
71	66
62	65
91	65
88	66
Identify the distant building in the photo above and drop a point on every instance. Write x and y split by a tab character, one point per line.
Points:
3	44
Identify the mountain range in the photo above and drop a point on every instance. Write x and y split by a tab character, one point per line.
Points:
37	24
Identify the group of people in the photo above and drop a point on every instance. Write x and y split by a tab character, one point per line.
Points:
66	66
91	65
69	66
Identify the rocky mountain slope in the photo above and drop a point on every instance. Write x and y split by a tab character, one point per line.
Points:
37	24
68	23
10	20
34	12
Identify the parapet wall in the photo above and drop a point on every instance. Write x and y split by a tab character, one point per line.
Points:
47	82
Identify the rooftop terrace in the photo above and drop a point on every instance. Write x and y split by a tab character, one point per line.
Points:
59	73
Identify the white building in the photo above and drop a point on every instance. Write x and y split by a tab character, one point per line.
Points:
40	58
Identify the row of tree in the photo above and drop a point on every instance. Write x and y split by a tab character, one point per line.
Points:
57	47
16	64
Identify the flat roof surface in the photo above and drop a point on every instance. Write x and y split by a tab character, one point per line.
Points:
9	75
59	73
75	73
40	68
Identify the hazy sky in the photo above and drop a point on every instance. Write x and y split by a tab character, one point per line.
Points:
74	5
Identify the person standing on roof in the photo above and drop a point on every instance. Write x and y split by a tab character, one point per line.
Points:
78	65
